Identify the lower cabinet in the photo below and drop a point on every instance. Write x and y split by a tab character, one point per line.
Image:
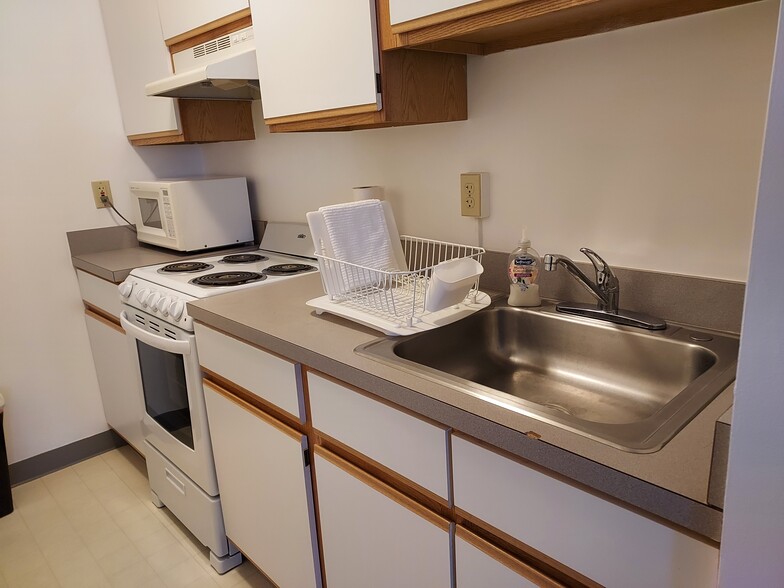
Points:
122	403
605	542
373	536
265	489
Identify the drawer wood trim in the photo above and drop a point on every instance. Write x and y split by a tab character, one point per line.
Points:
103	317
308	116
383	488
258	413
506	559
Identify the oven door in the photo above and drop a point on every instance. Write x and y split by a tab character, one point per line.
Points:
169	380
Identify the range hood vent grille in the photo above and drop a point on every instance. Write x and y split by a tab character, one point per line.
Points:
212	46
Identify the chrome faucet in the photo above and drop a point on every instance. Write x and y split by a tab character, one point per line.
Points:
605	289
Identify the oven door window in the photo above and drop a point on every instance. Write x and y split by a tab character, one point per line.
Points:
165	391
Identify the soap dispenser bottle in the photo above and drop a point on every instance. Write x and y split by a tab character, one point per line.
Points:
523	267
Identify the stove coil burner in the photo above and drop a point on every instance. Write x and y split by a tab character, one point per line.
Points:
228	279
288	269
243	258
182	267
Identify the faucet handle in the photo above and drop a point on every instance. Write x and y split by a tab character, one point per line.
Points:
605	278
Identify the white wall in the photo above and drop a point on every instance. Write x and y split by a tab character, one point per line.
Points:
641	143
61	128
753	535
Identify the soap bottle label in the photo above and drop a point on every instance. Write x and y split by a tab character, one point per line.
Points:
523	271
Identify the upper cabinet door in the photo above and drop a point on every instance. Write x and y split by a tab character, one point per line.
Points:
181	16
138	56
316	56
404	10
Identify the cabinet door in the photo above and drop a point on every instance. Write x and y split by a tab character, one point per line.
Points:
404	10
181	16
373	536
138	56
122	402
265	489
605	542
316	57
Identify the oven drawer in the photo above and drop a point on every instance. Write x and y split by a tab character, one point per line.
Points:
190	504
268	376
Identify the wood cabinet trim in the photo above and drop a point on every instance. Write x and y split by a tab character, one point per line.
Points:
543	21
226	24
103	317
506	559
333	112
382	488
523	552
384	474
255	411
246	398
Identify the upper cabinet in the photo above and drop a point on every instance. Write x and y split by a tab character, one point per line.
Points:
305	67
317	77
184	16
139	56
489	26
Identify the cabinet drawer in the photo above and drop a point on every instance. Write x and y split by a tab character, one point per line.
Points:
267	376
603	541
414	448
100	293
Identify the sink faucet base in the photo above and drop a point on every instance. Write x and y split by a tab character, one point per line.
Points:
620	317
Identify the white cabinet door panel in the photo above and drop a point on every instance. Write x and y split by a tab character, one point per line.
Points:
266	375
404	10
405	444
122	401
314	55
603	541
265	490
369	539
138	56
181	16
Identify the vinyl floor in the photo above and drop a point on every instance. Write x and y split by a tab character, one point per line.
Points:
93	525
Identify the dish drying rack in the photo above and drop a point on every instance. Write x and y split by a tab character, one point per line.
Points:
395	301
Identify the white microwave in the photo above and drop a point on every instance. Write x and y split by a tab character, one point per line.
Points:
193	214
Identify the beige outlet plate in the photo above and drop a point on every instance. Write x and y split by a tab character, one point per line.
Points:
473	196
101	188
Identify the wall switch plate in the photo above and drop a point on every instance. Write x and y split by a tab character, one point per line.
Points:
473	194
101	189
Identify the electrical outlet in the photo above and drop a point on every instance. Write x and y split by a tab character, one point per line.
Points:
473	194
101	189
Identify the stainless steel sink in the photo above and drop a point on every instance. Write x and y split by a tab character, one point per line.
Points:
621	386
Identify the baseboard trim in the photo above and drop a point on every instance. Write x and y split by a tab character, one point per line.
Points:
62	457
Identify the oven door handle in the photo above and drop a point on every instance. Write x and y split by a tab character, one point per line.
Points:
162	343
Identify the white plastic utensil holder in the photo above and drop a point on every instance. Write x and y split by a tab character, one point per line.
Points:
394	295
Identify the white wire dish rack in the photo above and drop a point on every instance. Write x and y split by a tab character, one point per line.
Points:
396	301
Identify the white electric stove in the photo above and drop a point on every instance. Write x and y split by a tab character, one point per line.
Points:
177	444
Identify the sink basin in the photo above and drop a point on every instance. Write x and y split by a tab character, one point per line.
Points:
621	386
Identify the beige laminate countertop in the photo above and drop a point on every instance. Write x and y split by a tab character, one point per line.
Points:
671	483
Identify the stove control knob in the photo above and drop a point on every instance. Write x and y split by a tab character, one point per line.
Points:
141	296
125	289
176	309
152	300
163	305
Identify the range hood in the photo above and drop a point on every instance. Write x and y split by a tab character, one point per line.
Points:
223	68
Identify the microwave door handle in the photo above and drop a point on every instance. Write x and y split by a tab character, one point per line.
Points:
162	343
